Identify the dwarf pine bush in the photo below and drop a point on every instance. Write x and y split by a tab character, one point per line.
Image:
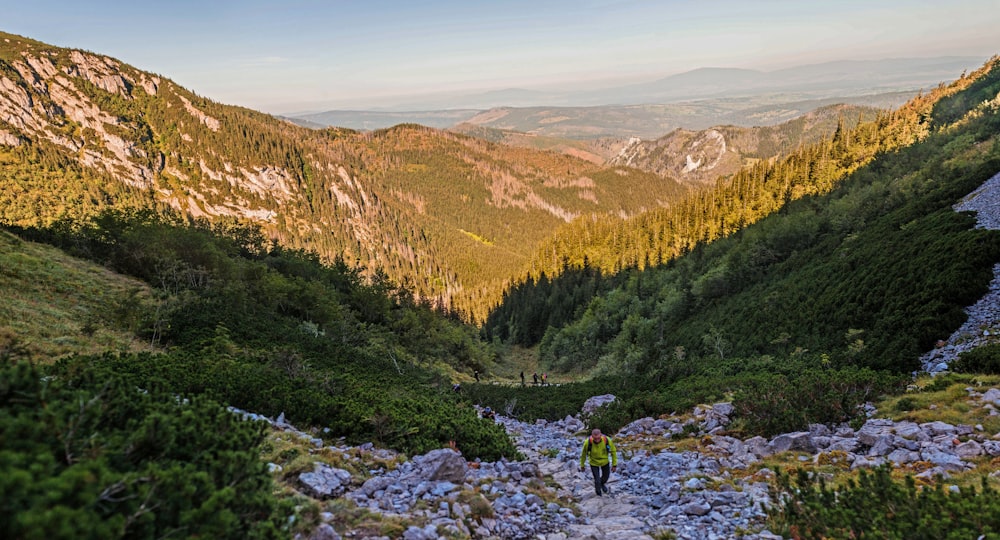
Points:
876	506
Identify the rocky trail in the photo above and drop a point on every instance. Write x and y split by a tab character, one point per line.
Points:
717	490
684	493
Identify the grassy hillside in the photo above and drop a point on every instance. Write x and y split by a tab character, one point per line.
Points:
54	305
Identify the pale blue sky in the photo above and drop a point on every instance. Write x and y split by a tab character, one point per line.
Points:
294	55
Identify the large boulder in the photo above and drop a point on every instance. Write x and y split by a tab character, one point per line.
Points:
442	464
799	440
325	481
597	402
873	429
992	396
946	461
938	428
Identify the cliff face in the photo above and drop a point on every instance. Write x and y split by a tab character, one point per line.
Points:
110	117
43	100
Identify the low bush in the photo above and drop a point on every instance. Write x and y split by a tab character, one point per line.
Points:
770	404
985	360
84	453
876	506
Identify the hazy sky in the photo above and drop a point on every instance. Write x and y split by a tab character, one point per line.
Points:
294	55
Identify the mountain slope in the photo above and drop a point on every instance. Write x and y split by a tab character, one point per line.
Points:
705	156
869	270
55	305
451	216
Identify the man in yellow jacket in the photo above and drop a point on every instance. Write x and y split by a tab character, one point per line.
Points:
599	448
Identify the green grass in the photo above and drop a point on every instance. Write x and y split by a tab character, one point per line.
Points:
53	305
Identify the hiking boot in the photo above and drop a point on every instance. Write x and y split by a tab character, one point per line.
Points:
607	489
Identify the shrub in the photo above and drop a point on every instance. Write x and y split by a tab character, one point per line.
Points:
777	403
985	359
876	506
84	452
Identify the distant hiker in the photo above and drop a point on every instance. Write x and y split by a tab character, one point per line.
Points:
522	378
545	379
599	448
476	375
488	413
456	387
535	376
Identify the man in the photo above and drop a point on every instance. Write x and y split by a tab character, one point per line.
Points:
599	449
522	378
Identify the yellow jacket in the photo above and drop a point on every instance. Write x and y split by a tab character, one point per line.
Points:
599	452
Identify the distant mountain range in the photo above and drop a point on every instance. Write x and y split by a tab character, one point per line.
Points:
695	99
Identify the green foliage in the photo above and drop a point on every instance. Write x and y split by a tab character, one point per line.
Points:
274	330
985	359
773	403
84	453
876	506
870	274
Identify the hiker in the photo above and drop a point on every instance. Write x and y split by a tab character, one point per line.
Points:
535	377
522	378
599	448
488	413
545	379
456	387
476	375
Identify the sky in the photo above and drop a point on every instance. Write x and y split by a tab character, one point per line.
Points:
296	55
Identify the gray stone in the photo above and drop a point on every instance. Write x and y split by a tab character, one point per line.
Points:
800	440
873	429
864	463
937	428
992	448
699	508
848	445
596	402
969	449
946	461
441	464
907	430
723	409
819	430
992	396
416	533
757	446
903	456
882	446
324	532
325	481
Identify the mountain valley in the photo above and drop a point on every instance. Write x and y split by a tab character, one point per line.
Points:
216	323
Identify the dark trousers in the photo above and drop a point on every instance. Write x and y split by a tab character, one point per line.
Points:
601	474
